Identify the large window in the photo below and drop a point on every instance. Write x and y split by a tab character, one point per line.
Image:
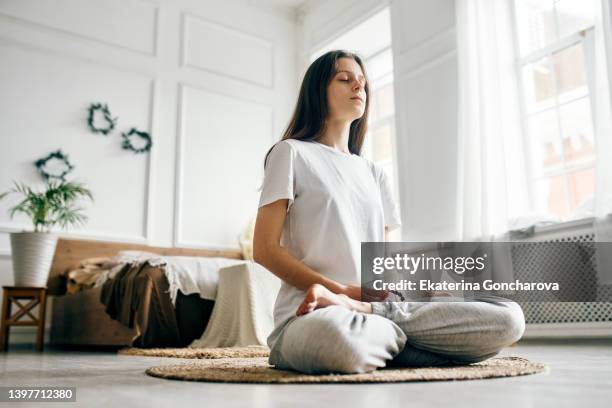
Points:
379	146
553	70
371	39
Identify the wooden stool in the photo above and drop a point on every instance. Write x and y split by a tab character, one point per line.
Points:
12	294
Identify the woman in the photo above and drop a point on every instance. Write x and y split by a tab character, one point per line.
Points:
319	201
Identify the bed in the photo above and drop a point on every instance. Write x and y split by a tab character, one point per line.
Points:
81	319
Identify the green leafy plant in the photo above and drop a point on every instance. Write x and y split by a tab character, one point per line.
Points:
53	206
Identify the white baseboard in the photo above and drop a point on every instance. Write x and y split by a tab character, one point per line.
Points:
569	330
27	335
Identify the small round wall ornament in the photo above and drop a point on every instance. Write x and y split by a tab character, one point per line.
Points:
99	119
136	141
55	166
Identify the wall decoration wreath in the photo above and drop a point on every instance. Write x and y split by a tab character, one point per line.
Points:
58	161
97	112
143	146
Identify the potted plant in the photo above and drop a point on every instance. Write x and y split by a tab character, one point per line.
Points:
32	251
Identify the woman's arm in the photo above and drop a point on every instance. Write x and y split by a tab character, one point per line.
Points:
268	252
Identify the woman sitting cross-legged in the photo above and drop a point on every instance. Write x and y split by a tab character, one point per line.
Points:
319	201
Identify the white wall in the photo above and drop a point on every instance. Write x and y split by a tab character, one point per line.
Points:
425	67
213	82
321	21
425	75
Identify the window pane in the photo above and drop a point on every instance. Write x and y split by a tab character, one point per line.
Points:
537	78
570	74
545	143
581	190
574	15
379	66
550	196
384	101
373	114
381	143
577	132
536	24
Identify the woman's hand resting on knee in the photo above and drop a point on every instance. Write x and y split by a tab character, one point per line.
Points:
318	296
365	294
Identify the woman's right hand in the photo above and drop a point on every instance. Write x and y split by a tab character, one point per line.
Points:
364	294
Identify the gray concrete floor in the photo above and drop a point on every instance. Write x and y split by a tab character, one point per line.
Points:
579	374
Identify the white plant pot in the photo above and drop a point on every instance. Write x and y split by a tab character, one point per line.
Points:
32	254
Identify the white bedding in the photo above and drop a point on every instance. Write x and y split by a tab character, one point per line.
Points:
243	291
189	274
196	275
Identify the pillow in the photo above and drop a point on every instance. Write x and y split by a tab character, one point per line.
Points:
246	240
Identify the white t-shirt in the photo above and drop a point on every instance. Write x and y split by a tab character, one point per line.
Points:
336	201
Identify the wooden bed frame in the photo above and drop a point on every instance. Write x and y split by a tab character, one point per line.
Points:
79	319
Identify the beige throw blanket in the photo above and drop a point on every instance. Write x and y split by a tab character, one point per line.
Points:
243	312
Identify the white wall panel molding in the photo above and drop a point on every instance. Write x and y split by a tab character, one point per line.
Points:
77	234
19	35
49	79
134	54
273	8
178	168
354	13
231	151
233	53
207	245
126	24
230	86
211	81
152	155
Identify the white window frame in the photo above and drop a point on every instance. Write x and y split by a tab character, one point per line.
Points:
547	52
388	80
389	119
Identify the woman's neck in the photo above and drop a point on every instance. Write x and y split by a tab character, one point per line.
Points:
336	135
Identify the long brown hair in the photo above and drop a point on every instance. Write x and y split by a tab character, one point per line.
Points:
311	110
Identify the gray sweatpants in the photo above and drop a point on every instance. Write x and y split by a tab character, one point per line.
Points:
408	334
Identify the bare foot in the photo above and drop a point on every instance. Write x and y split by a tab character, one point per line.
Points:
319	296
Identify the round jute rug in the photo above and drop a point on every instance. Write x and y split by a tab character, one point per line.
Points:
257	370
200	353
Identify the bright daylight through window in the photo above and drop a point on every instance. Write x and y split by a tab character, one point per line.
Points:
374	39
554	67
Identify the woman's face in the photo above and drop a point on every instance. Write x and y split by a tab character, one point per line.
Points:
346	96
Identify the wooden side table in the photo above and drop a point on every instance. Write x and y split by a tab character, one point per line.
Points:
14	295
